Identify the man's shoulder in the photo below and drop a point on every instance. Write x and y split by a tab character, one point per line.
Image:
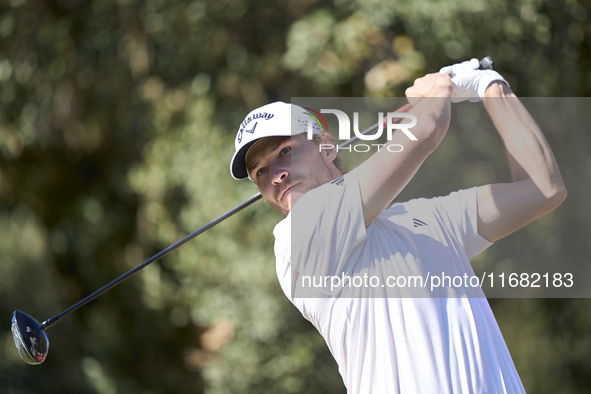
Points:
283	227
334	205
347	179
282	234
318	199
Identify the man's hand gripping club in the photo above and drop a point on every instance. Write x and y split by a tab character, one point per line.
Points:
470	81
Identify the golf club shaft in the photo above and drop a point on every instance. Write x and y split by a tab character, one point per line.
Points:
485	63
53	320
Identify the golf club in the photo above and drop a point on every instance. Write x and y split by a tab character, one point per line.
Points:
30	336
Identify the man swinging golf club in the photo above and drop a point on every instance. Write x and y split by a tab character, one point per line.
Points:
339	226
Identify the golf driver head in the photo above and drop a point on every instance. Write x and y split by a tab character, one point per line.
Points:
30	338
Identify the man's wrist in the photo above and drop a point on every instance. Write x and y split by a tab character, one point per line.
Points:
497	89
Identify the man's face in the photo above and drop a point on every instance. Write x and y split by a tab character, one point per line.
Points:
285	168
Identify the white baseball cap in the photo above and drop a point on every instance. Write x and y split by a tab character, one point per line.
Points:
272	120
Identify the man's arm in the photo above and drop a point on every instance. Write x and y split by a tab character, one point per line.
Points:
385	174
537	186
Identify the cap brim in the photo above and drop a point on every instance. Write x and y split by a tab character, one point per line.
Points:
238	164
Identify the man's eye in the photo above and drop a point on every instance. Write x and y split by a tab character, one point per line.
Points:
285	150
261	171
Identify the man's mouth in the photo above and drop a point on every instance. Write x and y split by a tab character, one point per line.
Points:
287	189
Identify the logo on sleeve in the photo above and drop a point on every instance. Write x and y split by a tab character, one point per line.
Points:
338	181
418	223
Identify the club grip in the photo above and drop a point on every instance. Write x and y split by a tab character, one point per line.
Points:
486	63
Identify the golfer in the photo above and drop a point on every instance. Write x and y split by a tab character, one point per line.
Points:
339	226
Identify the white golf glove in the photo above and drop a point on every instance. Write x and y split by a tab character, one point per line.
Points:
470	83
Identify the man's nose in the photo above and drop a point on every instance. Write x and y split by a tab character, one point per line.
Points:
280	173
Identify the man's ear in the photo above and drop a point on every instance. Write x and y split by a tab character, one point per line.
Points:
328	148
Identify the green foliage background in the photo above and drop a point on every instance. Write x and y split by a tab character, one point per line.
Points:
117	121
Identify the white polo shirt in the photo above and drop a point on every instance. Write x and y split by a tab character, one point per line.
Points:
388	335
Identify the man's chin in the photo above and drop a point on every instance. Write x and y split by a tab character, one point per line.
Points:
289	199
288	202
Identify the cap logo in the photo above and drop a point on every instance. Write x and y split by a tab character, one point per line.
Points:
245	122
317	117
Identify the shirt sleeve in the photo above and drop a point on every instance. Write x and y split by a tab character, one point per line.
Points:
458	212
